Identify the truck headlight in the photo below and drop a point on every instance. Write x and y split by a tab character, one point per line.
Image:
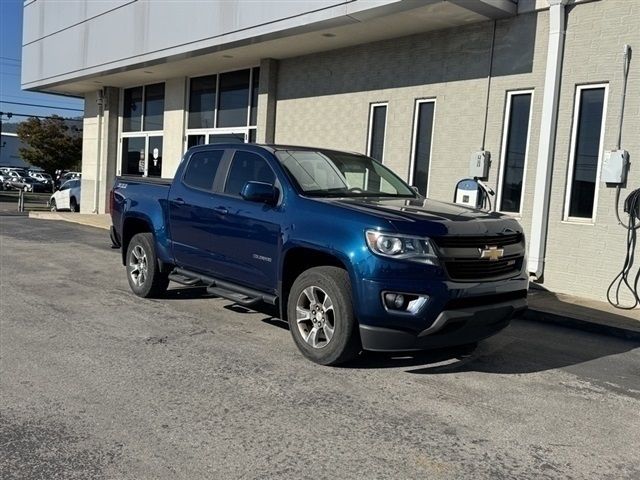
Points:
402	247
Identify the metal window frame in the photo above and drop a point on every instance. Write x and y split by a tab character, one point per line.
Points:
372	107
136	133
572	153
503	150
215	129
414	139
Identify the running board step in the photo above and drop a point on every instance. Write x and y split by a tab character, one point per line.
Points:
183	279
233	296
225	289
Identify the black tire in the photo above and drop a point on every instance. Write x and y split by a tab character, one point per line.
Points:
344	343
155	282
52	205
73	205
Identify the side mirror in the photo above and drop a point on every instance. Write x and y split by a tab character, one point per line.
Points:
259	192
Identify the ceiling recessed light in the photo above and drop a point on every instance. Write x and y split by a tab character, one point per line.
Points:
329	35
227	56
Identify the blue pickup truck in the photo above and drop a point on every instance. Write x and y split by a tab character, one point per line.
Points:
351	255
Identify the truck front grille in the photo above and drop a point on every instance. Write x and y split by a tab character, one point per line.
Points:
478	241
483	269
461	256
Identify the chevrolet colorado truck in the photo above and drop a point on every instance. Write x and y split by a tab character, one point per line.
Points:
352	256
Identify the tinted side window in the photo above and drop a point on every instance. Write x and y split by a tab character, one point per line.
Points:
247	166
202	169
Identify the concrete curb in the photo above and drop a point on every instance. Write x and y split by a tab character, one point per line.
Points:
90	220
620	330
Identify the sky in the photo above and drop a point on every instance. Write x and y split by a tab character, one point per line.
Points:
10	65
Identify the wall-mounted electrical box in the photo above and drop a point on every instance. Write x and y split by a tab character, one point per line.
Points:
614	166
479	164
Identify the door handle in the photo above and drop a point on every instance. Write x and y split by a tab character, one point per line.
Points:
221	210
178	201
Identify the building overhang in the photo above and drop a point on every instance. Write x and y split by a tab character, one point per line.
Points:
97	62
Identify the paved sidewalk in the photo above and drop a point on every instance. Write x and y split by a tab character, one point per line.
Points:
576	312
99	221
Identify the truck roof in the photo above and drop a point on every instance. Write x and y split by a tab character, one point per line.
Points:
270	147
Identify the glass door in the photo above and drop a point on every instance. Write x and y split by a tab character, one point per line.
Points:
141	155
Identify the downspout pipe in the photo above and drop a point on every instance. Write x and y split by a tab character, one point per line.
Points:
546	147
96	183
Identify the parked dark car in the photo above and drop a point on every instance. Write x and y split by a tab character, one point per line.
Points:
351	255
27	184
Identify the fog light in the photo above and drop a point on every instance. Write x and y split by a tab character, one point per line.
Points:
403	302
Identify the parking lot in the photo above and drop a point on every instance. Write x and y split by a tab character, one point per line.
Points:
97	383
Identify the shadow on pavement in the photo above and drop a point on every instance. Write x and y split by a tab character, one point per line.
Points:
523	347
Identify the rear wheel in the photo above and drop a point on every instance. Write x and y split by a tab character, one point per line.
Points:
143	270
321	319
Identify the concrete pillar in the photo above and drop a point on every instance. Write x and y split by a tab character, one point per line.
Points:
99	149
174	119
267	99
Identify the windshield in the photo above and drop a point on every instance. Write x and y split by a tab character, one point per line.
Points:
324	173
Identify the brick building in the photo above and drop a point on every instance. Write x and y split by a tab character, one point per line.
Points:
418	85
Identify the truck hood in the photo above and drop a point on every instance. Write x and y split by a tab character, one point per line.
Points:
430	217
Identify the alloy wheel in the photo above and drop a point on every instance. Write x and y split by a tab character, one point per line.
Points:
315	317
138	266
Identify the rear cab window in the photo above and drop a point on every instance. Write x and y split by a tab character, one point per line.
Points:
201	170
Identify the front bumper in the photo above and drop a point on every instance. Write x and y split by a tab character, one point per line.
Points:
455	313
450	328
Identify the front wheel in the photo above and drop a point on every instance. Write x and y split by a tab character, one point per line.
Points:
143	271
321	319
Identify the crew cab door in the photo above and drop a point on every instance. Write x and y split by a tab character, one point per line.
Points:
248	234
193	218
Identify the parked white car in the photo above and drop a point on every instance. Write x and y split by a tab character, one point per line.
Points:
67	197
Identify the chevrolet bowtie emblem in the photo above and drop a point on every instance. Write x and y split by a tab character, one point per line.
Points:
492	252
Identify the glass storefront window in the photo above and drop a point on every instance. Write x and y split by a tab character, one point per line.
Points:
193	140
515	151
202	99
142	120
154	107
233	100
223	108
423	136
587	149
255	81
133	155
154	157
132	110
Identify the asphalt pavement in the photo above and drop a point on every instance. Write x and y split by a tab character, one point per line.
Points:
97	383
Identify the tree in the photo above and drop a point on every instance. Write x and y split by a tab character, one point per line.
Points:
50	144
